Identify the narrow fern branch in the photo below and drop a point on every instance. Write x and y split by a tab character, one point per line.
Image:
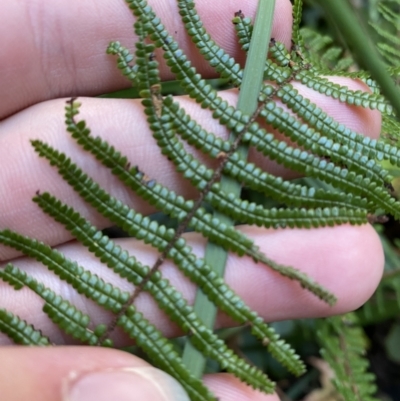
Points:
244	29
20	331
124	60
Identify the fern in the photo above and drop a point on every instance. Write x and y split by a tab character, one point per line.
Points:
344	347
385	303
325	150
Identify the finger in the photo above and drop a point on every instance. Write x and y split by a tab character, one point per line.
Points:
50	52
229	388
347	260
122	124
85	374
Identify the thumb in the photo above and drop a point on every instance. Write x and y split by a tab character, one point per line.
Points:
82	374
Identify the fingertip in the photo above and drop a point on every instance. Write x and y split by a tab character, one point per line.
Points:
346	260
359	269
228	388
79	373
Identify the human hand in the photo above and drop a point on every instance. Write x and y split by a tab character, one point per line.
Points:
52	52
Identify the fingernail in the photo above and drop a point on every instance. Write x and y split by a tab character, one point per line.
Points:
129	384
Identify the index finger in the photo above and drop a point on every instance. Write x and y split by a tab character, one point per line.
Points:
50	52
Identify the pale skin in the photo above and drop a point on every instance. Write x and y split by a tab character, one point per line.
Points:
49	53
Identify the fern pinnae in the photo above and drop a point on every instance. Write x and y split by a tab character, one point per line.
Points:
386	28
227	115
327	58
104	294
252	213
343	347
124	60
251	251
251	176
202	222
70	319
279	53
242	210
114	163
20	331
319	120
195	269
369	58
388	48
165	295
196	87
343	94
76	323
243	29
389	53
313	166
323	146
216	57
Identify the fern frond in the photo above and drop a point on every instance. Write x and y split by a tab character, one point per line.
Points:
20	331
343	347
209	226
325	150
323	55
388	44
179	63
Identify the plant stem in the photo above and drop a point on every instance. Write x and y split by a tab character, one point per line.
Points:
361	45
215	255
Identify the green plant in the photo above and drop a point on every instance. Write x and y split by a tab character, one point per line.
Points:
328	152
